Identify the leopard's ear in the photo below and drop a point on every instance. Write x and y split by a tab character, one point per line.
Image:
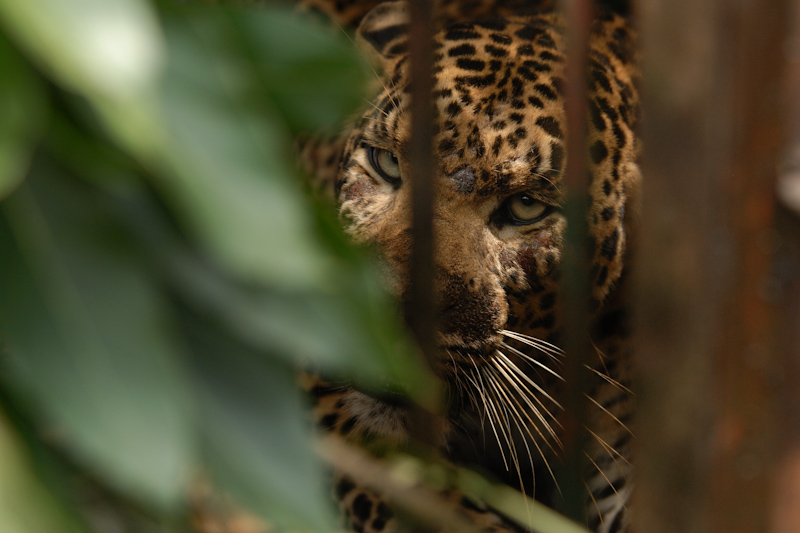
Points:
384	31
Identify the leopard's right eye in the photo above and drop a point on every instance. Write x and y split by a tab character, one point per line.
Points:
385	164
525	209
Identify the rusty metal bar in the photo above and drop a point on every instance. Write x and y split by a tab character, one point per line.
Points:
576	287
422	310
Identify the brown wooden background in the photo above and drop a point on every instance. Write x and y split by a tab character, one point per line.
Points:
718	336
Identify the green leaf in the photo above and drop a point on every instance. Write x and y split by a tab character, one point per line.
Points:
108	48
88	155
25	503
313	75
350	328
256	432
230	179
327	331
525	511
88	348
376	316
22	112
108	51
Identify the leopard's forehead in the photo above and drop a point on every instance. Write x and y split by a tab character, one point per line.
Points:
498	100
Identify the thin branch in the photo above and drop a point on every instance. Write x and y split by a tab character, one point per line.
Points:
421	502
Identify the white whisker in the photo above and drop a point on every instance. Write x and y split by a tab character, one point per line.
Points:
511	402
504	416
611	380
609	413
488	412
611	453
517	418
602	473
532	360
525	394
550	349
591	495
503	357
371	103
477	406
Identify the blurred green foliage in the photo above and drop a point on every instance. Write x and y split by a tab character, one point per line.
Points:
162	271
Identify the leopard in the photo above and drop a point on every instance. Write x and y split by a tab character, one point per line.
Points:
500	149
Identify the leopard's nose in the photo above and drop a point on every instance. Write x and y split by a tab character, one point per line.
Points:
468	309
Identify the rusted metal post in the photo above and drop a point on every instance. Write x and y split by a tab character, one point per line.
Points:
576	288
422	173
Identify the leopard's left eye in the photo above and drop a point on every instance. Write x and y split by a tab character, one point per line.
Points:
385	164
525	209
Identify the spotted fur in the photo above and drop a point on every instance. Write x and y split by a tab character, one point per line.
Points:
501	129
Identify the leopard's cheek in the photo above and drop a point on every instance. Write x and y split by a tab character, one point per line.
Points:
528	262
545	239
358	190
360	209
537	262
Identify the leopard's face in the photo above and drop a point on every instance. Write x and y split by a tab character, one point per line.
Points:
500	148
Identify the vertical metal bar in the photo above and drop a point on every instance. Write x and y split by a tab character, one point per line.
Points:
576	286
423	167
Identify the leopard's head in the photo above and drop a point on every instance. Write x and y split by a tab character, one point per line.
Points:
500	149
